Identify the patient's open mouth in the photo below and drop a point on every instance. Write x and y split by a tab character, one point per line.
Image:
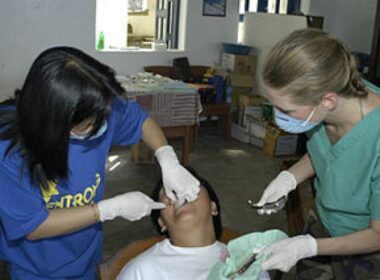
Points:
179	204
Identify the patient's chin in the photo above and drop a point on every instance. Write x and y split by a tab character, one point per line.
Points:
184	213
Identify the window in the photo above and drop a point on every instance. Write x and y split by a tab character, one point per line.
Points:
137	24
167	22
265	6
270	6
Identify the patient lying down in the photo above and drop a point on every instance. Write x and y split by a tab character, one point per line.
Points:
191	247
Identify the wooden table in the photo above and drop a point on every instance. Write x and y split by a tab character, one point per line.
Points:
176	113
221	110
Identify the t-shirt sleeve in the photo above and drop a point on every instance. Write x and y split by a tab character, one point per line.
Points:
375	192
129	119
22	208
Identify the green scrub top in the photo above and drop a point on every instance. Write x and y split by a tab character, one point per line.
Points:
347	179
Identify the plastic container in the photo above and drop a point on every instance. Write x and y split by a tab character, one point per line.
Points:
235	48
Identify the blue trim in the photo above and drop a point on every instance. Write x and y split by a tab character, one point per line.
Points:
294	5
262	6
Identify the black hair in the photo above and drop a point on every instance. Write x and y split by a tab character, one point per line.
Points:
217	220
63	88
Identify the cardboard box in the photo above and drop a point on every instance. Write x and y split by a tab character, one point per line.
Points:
256	129
241	80
279	143
258	142
254	112
239	64
239	133
239	91
251	100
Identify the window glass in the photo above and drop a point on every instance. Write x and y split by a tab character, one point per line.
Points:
137	24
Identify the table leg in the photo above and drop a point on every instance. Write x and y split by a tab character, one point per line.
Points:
186	144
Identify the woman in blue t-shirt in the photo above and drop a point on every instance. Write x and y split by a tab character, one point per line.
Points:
313	83
55	136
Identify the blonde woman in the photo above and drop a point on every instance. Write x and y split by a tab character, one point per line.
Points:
312	81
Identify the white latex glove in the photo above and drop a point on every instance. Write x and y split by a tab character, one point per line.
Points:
131	206
284	254
284	183
179	184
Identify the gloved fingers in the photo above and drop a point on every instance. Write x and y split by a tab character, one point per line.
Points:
192	194
157	205
189	193
170	194
267	212
274	262
261	211
189	183
272	249
264	212
262	201
270	211
268	196
274	259
179	202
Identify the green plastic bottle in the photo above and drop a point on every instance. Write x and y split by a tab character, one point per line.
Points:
100	43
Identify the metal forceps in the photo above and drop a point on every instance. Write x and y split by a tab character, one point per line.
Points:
275	205
243	267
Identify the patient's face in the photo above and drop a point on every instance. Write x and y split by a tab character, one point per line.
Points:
192	213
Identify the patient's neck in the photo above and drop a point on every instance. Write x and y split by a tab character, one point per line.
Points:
198	236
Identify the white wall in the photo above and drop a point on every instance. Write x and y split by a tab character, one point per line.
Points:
350	20
277	26
29	27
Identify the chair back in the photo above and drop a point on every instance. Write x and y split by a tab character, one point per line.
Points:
182	70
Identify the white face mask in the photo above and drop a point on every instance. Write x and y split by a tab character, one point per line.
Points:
293	125
99	133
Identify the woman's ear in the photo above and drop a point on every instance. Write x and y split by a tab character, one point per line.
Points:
214	209
330	100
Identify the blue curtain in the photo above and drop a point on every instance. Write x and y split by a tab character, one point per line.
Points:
262	6
294	5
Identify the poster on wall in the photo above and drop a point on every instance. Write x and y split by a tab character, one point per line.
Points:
137	6
215	8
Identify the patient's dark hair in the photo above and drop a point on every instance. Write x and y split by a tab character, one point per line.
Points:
217	220
63	88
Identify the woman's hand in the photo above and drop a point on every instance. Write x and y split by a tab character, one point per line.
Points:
284	254
179	184
284	183
131	206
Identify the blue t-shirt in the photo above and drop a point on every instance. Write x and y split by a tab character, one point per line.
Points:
24	206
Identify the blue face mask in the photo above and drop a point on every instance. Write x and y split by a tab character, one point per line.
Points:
99	133
293	125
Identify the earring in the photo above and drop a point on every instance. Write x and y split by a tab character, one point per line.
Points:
163	229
